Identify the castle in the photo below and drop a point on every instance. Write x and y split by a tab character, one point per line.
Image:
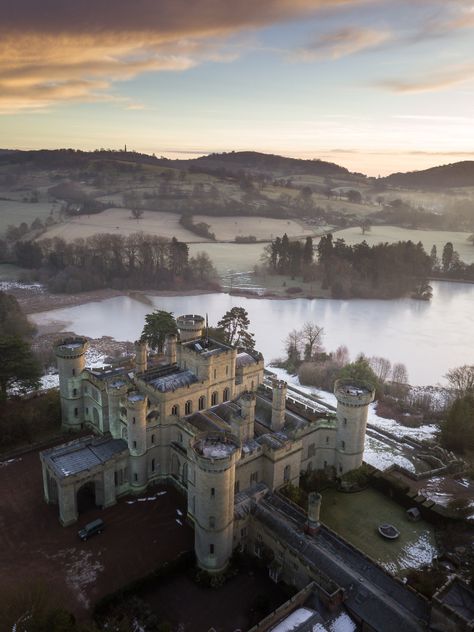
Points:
203	416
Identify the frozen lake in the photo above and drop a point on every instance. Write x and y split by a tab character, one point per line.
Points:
428	337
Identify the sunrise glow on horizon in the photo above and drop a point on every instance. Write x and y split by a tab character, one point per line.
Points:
375	86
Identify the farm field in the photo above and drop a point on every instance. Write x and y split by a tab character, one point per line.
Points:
230	257
427	237
14	213
120	222
227	228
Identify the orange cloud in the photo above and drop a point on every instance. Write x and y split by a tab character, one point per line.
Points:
341	43
440	80
63	50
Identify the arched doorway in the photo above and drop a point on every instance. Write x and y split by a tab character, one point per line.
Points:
86	497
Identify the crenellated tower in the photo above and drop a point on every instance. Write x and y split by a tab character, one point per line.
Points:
215	456
71	360
136	405
353	399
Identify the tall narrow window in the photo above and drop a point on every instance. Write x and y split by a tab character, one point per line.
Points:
188	407
153	465
202	402
175	410
134	444
214	397
212	522
211	549
153	438
287	473
213	492
76	412
226	395
73	372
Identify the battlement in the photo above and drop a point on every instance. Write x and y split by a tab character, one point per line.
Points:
190	326
354	392
216	451
71	348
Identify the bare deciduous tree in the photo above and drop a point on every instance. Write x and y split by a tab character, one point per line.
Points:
399	373
312	336
381	367
461	379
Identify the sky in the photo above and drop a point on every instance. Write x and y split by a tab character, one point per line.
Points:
374	85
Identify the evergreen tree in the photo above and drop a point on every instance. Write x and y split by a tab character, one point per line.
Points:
235	324
447	257
18	367
457	432
308	251
157	325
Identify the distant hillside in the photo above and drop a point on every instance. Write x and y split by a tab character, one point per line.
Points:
268	163
457	174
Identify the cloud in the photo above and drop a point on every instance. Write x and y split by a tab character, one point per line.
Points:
341	43
441	79
65	50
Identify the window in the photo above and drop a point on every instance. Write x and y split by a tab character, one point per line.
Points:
188	407
214	398
213	492
73	372
87	411
227	370
236	487
343	445
175	410
325	464
202	402
287	473
215	373
212	522
211	549
180	438
74	392
226	395
135	477
311	450
327	439
340	469
345	421
153	438
134	444
243	532
133	420
253	478
153	465
76	412
115	479
253	385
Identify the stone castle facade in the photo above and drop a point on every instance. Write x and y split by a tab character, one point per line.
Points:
204	416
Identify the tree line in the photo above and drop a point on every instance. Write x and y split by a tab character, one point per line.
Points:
107	260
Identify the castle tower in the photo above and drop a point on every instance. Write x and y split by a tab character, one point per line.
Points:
353	399
71	359
314	508
136	405
278	405
115	392
215	457
170	348
246	420
140	356
190	327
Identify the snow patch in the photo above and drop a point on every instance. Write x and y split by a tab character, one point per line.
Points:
294	620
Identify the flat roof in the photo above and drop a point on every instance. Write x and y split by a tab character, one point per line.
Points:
82	455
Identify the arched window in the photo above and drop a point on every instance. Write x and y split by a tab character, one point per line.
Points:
287	473
188	407
214	398
175	410
202	402
226	395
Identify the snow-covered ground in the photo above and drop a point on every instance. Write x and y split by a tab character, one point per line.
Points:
377	452
16	285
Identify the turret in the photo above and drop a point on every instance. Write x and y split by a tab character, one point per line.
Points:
243	425
116	390
278	405
140	356
71	359
190	327
136	405
170	348
353	399
215	457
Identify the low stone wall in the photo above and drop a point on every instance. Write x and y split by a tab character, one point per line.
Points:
285	609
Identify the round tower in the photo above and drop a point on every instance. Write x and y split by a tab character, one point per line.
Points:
353	399
215	456
136	405
71	360
278	404
140	356
190	327
116	391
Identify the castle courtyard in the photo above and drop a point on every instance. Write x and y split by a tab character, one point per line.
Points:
141	533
